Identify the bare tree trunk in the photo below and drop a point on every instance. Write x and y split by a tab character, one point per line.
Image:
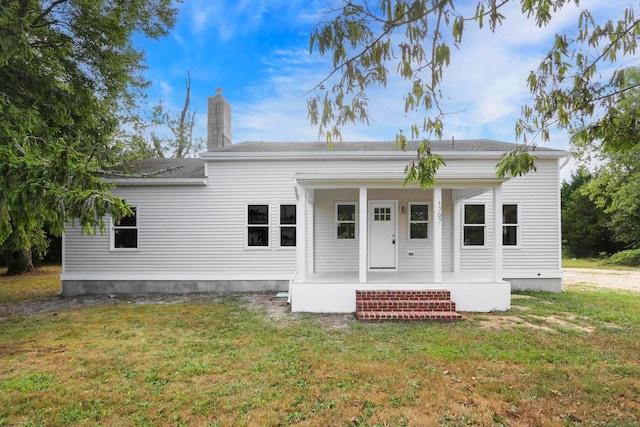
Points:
183	143
19	262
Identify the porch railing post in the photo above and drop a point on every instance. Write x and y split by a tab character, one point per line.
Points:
363	235
497	233
437	234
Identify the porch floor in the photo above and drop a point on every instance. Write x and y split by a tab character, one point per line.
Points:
404	277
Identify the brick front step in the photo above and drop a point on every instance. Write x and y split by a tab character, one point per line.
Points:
408	316
430	294
405	305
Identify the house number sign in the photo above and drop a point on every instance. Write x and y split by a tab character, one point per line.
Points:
439	211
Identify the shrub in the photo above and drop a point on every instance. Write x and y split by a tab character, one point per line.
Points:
629	258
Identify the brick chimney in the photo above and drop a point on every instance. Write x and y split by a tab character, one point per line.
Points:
218	122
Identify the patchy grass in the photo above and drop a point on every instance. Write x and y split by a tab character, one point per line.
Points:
555	359
43	282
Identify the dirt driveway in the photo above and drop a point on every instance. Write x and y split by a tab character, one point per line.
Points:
608	279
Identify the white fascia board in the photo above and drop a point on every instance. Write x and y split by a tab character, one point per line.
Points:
141	182
392	180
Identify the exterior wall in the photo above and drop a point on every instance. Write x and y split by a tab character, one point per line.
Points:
196	234
193	230
330	253
535	263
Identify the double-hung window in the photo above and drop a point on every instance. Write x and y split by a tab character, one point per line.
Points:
418	221
258	225
345	221
125	231
287	225
510	225
474	229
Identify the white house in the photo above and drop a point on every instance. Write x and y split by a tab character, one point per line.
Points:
321	224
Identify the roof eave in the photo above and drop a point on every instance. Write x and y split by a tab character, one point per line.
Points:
141	182
360	155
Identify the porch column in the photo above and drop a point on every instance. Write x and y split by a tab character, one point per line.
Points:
309	244
457	221
497	233
437	234
301	235
363	235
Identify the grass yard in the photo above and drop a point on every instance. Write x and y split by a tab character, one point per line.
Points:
44	282
597	263
554	359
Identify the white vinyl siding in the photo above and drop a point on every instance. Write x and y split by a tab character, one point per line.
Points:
332	254
202	229
537	196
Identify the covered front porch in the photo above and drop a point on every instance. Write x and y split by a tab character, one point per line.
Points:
331	268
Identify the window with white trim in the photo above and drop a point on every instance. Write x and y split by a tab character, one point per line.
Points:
474	228
510	226
346	221
287	225
258	225
125	231
418	221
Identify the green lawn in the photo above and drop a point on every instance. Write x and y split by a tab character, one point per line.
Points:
554	359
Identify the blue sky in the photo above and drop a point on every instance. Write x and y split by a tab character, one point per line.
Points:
258	52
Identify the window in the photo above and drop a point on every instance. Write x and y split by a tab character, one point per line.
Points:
510	225
258	225
346	220
125	231
418	221
287	225
474	225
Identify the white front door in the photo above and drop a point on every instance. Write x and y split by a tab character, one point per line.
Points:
382	235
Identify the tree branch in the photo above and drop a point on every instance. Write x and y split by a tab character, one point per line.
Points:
47	11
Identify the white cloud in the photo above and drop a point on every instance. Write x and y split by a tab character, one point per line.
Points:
484	88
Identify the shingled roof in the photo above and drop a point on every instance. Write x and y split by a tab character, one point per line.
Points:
158	168
194	168
372	146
